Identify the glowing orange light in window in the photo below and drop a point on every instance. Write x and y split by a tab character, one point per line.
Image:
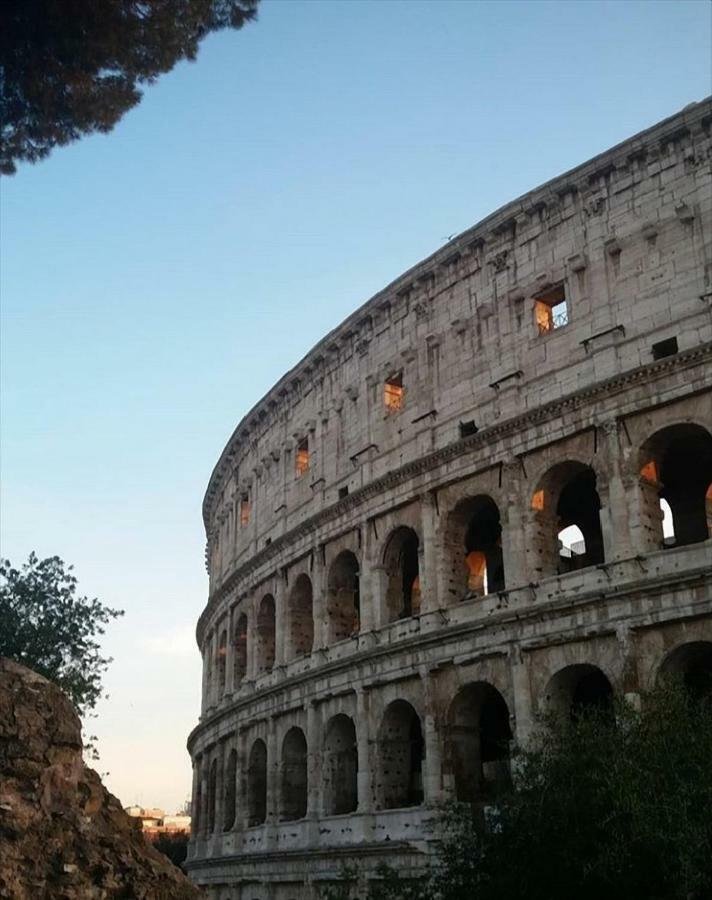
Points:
538	500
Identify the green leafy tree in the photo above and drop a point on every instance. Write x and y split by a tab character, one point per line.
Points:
73	67
604	807
45	626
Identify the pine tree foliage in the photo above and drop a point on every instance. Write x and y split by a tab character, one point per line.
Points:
45	626
73	67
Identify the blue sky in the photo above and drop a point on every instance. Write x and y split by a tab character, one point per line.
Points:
156	281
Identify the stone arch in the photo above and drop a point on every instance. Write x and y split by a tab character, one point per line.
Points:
240	660
692	664
577	689
675	468
473	546
565	509
402	568
230	791
343	604
340	766
293	783
401	750
257	784
300	617
478	741
212	795
222	662
266	630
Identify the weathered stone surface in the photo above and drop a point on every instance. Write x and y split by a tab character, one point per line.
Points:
63	836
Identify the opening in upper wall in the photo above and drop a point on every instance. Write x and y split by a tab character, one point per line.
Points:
393	393
551	310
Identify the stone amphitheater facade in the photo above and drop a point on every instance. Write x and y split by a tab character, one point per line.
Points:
486	493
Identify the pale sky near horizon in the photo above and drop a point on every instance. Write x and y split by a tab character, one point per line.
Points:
156	281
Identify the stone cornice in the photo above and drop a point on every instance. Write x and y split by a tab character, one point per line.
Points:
484	437
482	243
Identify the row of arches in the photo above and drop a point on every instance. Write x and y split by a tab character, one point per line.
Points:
566	534
476	737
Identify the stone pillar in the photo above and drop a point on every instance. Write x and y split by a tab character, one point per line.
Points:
513	537
241	781
428	561
521	691
433	769
365	762
366	586
280	621
205	653
319	602
212	671
230	653
273	773
219	789
314	734
615	514
373	579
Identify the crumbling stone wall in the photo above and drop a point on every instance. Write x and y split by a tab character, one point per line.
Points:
63	836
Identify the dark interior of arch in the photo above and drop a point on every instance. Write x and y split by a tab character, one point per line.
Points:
344	603
240	664
685	478
301	618
478	743
692	663
212	789
222	660
402	569
401	751
484	536
592	691
257	784
293	793
340	767
266	634
579	504
230	791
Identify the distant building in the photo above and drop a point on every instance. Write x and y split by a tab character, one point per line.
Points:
155	822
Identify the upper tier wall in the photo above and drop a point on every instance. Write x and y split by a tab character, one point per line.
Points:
626	236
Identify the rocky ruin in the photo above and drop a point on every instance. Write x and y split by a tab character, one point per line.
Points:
62	834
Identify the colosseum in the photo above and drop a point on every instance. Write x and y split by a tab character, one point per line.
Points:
487	493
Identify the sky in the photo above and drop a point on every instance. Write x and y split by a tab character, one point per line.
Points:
156	281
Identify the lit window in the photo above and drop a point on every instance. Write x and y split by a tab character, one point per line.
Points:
302	461
551	311
393	393
245	510
538	501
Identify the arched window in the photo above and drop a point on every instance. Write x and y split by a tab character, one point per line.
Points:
400	750
478	743
240	661
340	767
293	793
692	664
300	618
212	791
257	784
567	507
676	476
221	660
578	689
343	601
474	548
230	791
265	634
402	571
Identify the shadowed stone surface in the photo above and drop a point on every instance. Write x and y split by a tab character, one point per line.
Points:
62	834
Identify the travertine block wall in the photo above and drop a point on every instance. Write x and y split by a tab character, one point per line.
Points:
402	678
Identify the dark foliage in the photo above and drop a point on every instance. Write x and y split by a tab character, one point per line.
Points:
46	627
174	846
603	808
73	67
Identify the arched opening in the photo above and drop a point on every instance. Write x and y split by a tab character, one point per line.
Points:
692	664
240	661
474	546
340	767
257	784
676	481
400	750
212	791
343	600
293	794
400	560
265	634
478	743
566	509
579	689
230	791
301	618
221	660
